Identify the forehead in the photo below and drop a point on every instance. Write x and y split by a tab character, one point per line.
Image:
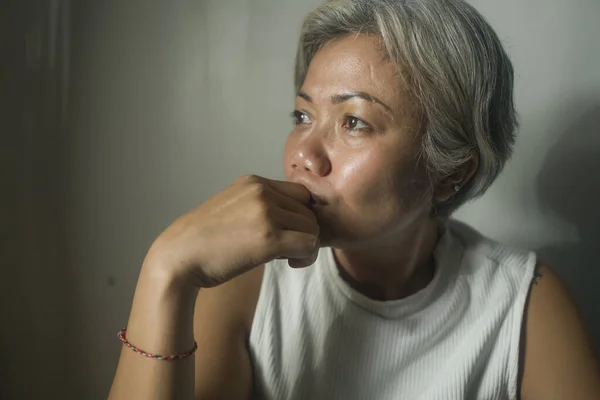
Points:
354	63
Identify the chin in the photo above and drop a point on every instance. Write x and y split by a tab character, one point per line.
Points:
337	234
363	233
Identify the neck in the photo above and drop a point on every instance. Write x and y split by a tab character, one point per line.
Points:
393	268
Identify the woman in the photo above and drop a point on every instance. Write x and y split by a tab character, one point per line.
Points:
404	111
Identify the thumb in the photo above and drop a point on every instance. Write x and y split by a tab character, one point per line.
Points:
303	262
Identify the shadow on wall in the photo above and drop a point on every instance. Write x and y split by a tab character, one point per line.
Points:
569	186
36	286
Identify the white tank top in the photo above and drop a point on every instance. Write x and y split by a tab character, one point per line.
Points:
314	337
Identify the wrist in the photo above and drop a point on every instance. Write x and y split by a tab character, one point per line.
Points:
167	281
164	265
162	314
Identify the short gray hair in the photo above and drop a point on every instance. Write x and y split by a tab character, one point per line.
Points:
454	65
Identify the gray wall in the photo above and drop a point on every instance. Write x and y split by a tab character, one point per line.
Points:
170	101
36	303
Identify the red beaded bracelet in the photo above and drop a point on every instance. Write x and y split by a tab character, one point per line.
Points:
123	339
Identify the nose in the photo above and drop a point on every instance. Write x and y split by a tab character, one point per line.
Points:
310	156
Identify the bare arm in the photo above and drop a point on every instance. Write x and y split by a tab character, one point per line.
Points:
559	360
222	326
221	323
207	263
161	322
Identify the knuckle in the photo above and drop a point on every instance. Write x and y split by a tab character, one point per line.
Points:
267	233
259	192
248	179
258	189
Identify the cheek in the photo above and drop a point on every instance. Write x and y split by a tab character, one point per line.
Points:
352	170
376	181
363	174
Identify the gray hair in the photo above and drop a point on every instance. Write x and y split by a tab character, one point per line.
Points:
453	64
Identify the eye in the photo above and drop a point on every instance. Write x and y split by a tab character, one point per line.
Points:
300	118
352	123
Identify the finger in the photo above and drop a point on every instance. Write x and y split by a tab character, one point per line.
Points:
303	262
300	245
290	221
292	205
290	189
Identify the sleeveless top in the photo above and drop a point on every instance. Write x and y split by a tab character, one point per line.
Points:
315	337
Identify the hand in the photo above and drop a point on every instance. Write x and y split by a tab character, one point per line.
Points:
252	222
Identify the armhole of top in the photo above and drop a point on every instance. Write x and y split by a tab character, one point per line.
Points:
516	355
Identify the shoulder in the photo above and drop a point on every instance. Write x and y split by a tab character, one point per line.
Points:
557	355
482	253
475	242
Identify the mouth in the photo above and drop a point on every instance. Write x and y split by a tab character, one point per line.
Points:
316	200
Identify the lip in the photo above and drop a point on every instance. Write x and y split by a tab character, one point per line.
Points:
315	199
318	192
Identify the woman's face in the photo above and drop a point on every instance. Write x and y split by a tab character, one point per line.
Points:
355	145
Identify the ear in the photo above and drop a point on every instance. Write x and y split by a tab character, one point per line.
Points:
453	183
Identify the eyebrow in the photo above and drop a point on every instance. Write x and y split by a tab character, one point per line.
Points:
340	98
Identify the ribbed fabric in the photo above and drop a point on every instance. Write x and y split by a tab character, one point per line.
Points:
314	337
